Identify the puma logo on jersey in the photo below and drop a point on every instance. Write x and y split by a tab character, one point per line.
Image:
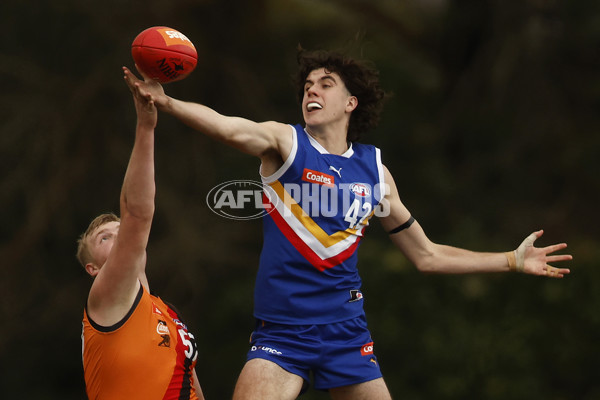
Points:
337	171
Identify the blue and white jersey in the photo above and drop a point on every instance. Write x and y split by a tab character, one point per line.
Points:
319	206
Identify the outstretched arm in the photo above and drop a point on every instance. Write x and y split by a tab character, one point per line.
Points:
266	140
436	258
116	283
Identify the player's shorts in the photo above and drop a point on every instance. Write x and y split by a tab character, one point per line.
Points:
337	354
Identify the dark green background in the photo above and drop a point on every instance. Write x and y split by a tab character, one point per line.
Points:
492	133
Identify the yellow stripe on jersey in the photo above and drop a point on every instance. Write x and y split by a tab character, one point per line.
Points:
296	210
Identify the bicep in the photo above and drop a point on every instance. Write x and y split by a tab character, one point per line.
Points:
248	136
257	138
127	258
116	284
395	212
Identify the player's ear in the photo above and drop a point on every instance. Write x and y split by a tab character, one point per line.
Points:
351	104
92	269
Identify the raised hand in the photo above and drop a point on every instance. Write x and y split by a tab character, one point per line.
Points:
147	88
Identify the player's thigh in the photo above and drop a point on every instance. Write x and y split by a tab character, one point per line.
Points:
371	390
265	380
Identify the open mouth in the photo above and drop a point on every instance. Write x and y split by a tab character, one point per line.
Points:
313	106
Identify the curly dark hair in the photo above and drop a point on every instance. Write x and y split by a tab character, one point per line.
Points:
360	77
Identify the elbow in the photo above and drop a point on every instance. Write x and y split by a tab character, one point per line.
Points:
429	259
145	213
428	264
140	208
426	267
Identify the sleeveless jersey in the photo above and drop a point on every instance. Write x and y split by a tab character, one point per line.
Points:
318	205
148	355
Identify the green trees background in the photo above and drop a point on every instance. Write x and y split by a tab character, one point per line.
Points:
491	133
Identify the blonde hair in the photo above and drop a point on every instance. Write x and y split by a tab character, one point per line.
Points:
83	252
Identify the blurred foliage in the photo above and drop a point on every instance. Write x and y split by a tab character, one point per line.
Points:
492	132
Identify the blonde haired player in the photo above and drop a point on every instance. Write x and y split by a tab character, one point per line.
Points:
135	346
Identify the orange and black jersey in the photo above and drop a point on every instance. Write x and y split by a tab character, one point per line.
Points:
149	354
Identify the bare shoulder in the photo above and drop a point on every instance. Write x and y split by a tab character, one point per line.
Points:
281	138
117	281
390	184
397	213
387	174
278	129
281	134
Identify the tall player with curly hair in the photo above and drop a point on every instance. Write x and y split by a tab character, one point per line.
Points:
324	187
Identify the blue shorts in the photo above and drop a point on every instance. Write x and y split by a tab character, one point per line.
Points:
337	354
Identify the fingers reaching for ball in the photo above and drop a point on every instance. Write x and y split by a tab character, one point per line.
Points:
142	73
148	88
129	78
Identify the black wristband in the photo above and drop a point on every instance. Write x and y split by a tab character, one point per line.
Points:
404	226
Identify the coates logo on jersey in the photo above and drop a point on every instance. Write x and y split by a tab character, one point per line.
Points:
367	349
361	189
162	328
241	200
317	177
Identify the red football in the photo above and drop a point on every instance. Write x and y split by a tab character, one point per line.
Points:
164	54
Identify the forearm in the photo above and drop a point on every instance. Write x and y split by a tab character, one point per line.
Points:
408	235
197	116
257	139
250	137
444	259
430	257
138	191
